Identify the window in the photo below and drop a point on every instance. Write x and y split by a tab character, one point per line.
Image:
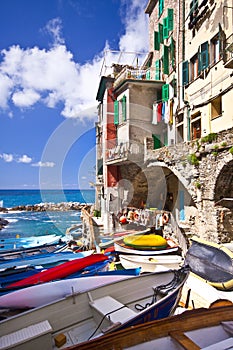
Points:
157	142
172	54
215	49
216	107
116	112
194	67
193	6
165	28
161	33
170	19
157	70
123	108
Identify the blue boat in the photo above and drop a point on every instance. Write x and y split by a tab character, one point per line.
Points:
27	242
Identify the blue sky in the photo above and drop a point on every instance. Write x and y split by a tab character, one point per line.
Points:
51	55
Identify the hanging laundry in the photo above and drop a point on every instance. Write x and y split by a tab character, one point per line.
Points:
155	114
163	111
166	112
171	112
159	112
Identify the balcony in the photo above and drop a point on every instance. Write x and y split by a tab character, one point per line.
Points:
229	52
134	74
125	152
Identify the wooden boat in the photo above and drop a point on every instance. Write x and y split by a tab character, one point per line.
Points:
151	263
121	247
146	242
60	271
24	252
45	260
105	309
212	262
195	329
108	240
26	242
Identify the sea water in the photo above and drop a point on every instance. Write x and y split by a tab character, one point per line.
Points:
26	224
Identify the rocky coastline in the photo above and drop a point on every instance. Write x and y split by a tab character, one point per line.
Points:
63	206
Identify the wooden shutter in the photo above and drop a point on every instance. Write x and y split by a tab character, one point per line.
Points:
170	19
157	70
116	112
161	33
165	28
157	143
165	60
161	6
156	41
148	74
124	108
185	72
165	92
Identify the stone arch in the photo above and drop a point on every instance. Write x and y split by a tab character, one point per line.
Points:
223	197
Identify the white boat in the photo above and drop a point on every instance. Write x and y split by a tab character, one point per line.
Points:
83	316
151	263
206	329
120	247
45	293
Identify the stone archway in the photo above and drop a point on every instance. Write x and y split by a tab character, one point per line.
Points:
223	195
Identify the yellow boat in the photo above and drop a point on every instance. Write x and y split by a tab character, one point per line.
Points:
148	242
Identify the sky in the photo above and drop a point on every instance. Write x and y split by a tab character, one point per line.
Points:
52	56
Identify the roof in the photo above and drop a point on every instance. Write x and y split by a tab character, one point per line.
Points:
150	6
102	87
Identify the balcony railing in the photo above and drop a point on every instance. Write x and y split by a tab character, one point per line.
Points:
125	151
135	73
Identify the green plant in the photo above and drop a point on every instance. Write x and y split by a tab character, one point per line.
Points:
216	147
215	153
224	144
209	138
192	159
197	184
231	150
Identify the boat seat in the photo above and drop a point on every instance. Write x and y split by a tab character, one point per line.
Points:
112	309
29	337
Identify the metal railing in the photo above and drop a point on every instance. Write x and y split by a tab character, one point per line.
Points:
124	150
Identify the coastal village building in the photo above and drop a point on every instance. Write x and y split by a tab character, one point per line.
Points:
164	133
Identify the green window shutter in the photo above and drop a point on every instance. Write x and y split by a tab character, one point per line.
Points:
165	59
116	112
172	51
165	92
157	143
185	72
124	108
161	33
157	70
148	74
204	55
170	19
165	28
193	6
161	6
156	41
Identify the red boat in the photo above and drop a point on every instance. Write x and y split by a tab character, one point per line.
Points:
60	271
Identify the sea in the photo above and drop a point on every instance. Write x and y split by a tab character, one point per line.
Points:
27	224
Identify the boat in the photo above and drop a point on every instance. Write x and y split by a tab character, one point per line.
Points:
123	248
151	263
60	271
108	240
41	294
85	315
207	329
31	251
26	242
45	260
211	261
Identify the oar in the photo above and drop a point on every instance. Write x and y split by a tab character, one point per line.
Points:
105	244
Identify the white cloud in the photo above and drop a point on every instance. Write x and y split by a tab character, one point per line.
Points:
8	158
24	159
44	164
32	75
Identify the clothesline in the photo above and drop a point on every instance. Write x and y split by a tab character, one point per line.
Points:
163	111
